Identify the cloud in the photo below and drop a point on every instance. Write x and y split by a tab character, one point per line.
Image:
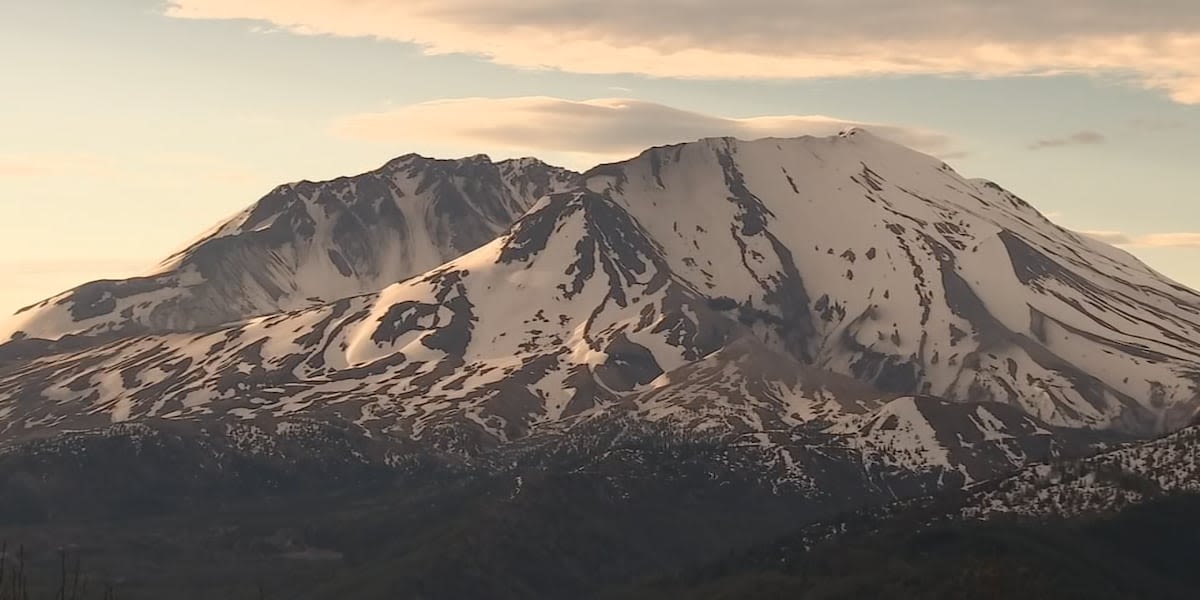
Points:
1150	240
606	127
1169	240
1081	138
1154	43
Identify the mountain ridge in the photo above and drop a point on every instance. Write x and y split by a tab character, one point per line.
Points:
304	243
973	329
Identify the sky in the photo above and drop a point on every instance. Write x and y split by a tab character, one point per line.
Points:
130	127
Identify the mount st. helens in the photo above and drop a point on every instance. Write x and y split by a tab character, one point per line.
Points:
307	243
829	300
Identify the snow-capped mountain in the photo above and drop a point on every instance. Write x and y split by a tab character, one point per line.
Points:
836	297
308	243
862	257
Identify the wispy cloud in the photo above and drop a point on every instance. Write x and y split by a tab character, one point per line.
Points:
602	128
1080	138
1115	238
1154	43
1150	240
1169	240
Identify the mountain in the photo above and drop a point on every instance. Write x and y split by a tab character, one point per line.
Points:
788	327
307	243
848	254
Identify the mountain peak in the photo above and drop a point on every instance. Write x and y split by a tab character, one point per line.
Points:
309	242
859	255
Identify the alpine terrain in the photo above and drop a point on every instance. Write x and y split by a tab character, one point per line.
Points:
452	371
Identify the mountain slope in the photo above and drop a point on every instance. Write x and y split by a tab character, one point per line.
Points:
865	258
1105	483
543	322
762	399
307	243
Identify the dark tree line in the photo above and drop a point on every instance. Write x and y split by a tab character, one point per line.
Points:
18	582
